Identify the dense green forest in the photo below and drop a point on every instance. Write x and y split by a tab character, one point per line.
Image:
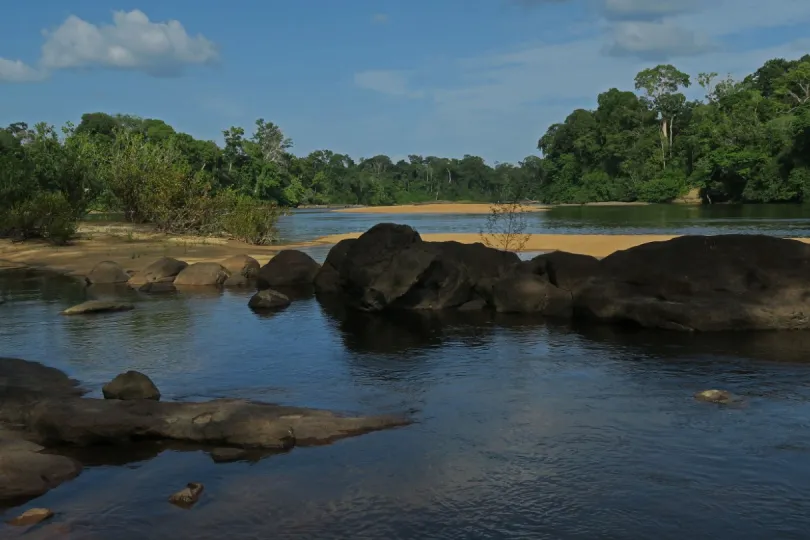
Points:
745	141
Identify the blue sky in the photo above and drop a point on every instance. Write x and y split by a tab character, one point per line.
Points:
363	77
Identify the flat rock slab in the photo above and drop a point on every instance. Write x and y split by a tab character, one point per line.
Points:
31	516
97	306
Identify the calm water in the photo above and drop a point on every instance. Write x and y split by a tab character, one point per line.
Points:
523	430
780	220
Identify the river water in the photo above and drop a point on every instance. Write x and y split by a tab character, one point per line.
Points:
524	430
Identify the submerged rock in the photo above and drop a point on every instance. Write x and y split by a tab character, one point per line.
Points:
268	300
227	455
98	306
201	275
131	385
722	397
188	496
107	273
31	516
288	268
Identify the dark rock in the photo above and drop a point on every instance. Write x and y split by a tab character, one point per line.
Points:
474	305
25	475
202	274
188	496
703	283
31	516
131	385
97	306
242	265
390	267
327	281
163	270
268	300
288	268
567	271
227	455
530	293
158	287
107	273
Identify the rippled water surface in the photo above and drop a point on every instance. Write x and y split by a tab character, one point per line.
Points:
523	430
779	220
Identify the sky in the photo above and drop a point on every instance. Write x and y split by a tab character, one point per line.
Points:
367	77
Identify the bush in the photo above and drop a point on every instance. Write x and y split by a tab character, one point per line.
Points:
246	219
46	215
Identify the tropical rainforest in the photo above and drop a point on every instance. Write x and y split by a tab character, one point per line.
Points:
744	141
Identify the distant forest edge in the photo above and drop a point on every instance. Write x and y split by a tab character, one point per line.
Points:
745	141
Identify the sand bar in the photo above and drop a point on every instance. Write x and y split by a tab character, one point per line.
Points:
431	208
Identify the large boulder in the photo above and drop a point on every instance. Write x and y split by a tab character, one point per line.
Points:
25	475
107	273
131	385
327	280
242	265
391	267
202	274
288	268
163	270
567	271
703	283
530	293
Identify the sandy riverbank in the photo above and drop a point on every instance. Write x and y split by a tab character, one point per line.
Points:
132	247
430	208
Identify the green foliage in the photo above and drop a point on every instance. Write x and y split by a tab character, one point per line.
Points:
247	219
47	215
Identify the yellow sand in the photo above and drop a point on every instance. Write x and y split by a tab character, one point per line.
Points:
439	208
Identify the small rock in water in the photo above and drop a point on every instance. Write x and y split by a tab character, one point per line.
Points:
31	517
97	306
131	385
715	396
268	300
186	497
225	455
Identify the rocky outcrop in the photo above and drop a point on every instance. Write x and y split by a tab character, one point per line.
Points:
107	273
531	293
131	385
568	271
163	270
268	300
288	268
202	274
327	280
703	283
391	267
97	306
242	265
50	408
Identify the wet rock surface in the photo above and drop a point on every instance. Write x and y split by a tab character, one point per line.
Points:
98	306
107	273
202	274
47	409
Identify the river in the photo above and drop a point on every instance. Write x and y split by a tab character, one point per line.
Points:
524	430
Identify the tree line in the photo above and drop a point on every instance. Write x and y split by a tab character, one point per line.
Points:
745	141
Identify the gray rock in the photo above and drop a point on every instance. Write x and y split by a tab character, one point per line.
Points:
268	300
163	270
242	265
530	293
97	306
25	475
107	273
288	268
722	397
238	281
201	275
131	385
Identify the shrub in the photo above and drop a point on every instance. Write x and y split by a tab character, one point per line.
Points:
46	215
246	219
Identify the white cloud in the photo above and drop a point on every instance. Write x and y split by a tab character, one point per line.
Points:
649	9
16	71
131	42
391	82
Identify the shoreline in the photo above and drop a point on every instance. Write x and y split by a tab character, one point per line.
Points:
433	208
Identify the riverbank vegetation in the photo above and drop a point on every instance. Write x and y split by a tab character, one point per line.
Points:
745	141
